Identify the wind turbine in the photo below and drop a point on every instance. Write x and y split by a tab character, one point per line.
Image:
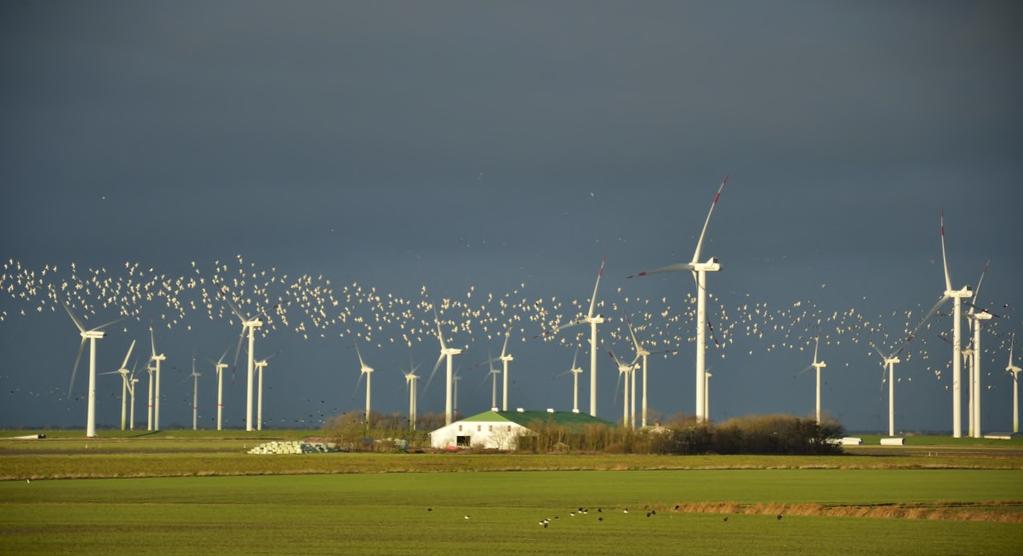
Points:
195	396
593	320
505	358
641	355
493	382
889	362
249	325
219	367
260	365
150	371
90	335
367	371
576	370
817	365
699	271
957	297
156	358
972	354
1014	370
624	372
123	372
445	353
411	379
131	390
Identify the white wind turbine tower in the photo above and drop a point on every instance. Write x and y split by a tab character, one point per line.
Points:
972	356
493	383
249	325
123	372
90	335
156	358
593	320
195	396
706	393
219	367
445	353
505	358
260	365
411	380
957	297
817	366
576	370
625	370
889	362
1014	370
367	371
131	391
699	271
457	378
150	371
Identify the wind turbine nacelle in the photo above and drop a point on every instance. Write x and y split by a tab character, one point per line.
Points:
965	293
93	334
983	315
713	264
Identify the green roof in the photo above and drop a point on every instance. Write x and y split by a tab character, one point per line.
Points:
524	418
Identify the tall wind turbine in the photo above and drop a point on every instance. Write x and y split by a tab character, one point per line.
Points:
957	297
493	382
699	271
123	372
249	326
641	354
505	358
593	320
889	362
195	396
1014	370
445	353
156	358
88	335
817	365
367	371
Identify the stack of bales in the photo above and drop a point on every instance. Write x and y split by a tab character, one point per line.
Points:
294	447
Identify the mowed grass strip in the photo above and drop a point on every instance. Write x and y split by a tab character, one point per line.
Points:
388	513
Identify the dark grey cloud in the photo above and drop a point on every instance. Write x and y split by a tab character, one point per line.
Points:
450	144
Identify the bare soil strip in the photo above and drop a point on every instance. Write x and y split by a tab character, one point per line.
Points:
995	511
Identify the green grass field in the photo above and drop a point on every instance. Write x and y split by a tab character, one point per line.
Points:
366	503
387	513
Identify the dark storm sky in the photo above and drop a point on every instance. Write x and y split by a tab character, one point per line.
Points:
453	144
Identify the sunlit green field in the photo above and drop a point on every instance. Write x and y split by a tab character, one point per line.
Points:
391	513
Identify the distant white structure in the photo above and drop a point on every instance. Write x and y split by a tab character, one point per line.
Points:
500	430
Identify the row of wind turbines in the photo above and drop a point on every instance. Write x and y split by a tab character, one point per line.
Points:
627	369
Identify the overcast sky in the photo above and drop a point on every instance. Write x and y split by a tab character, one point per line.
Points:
452	144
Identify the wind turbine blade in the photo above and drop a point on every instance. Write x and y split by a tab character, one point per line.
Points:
152	340
238	349
74	319
223	355
104	325
575	357
677	267
1012	343
816	345
923	321
635	342
504	348
127	355
434	371
362	364
808	367
234	309
703	233
976	291
74	370
593	299
877	350
944	256
440	334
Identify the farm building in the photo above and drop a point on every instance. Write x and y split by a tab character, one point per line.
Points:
499	430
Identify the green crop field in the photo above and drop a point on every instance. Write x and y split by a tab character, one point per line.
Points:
425	513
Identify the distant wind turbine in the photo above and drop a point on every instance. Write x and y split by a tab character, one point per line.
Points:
195	396
156	358
889	362
973	355
957	297
593	320
445	353
817	366
366	371
260	366
625	370
123	372
219	367
1014	370
411	380
505	358
249	326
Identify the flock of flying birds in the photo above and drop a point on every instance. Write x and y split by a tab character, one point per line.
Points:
312	306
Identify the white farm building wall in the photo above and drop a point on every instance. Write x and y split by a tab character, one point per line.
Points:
493	435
